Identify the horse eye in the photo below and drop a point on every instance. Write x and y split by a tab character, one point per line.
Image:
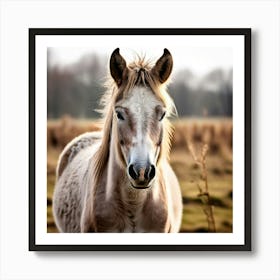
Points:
163	115
120	116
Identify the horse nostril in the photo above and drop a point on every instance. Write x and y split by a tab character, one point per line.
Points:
152	172
132	172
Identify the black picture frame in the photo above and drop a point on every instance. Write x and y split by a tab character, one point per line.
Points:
246	32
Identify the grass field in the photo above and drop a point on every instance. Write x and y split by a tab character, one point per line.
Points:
217	133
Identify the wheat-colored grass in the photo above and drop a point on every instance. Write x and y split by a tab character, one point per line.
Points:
204	194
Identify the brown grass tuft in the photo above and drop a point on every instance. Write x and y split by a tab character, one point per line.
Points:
203	194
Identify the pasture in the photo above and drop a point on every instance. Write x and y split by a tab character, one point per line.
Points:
216	133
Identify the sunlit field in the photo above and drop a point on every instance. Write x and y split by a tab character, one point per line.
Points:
215	132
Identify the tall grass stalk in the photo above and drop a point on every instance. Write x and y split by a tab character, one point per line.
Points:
204	194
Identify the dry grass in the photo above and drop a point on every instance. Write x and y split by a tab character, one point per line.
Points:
204	194
216	133
61	132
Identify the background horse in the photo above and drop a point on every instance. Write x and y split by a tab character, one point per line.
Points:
119	180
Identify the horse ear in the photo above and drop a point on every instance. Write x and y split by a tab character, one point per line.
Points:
118	67
163	67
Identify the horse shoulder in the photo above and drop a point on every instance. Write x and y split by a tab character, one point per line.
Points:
74	147
71	184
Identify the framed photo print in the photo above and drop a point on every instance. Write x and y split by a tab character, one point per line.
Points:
140	139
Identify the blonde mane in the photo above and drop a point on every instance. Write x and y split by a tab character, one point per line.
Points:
139	74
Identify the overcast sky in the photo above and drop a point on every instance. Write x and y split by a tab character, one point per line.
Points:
200	55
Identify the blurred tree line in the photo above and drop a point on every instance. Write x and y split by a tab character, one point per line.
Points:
75	90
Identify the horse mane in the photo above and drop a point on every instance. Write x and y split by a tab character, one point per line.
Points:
140	74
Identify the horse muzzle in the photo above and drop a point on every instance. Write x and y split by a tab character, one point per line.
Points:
141	176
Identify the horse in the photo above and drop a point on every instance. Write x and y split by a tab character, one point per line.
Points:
119	179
